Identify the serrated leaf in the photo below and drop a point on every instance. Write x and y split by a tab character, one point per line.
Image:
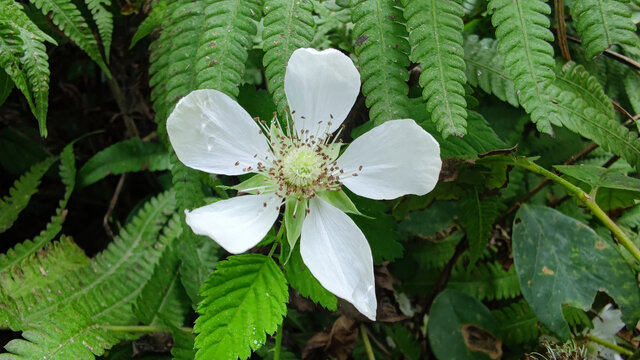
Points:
21	192
243	301
382	48
562	261
602	23
288	25
518	323
575	77
104	20
302	280
125	156
65	15
182	345
150	23
435	35
6	85
478	218
522	30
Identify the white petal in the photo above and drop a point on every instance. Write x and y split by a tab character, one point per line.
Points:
397	158
237	224
338	255
211	132
320	85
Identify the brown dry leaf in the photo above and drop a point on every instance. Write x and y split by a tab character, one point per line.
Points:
337	341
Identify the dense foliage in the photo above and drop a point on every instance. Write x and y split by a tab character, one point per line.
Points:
532	229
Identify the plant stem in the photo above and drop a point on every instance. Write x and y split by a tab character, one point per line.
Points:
586	200
145	329
276	351
617	348
367	344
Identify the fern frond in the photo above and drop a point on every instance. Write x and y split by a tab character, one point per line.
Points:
104	20
150	23
522	30
381	47
21	192
24	58
586	87
288	25
46	266
478	219
485	69
486	281
593	123
68	18
602	23
518	323
435	36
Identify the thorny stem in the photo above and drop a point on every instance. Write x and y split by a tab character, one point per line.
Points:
586	200
617	348
144	329
367	344
276	351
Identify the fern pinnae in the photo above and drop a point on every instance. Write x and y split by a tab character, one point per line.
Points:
435	35
522	29
485	69
68	18
104	21
603	23
288	25
586	86
382	49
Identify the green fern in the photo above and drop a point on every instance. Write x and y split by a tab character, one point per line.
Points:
485	69
596	124
288	25
70	317
104	20
68	18
21	192
381	47
478	219
151	22
486	281
576	78
24	58
49	264
602	23
435	36
518	323
522	29
243	300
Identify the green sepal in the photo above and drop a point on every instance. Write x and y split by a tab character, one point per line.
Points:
333	150
250	185
340	200
293	224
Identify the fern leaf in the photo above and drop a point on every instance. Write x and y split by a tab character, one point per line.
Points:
381	47
288	25
586	87
518	323
46	266
67	17
104	20
24	58
163	299
6	85
479	216
486	281
183	348
485	69
150	23
435	36
593	123
602	23
21	192
522	29
244	299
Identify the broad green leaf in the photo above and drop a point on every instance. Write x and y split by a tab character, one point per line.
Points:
302	280
599	177
125	156
243	301
560	260
454	314
21	192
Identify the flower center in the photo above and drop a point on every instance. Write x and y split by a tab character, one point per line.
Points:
302	167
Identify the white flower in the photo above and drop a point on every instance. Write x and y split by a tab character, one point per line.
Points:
605	326
300	168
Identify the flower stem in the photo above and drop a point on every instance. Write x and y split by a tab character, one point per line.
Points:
276	351
367	344
617	348
586	200
144	329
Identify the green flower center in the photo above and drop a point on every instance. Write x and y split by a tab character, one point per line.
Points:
302	167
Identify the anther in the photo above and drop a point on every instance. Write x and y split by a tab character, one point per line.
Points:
331	116
360	168
354	174
264	204
237	163
302	117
